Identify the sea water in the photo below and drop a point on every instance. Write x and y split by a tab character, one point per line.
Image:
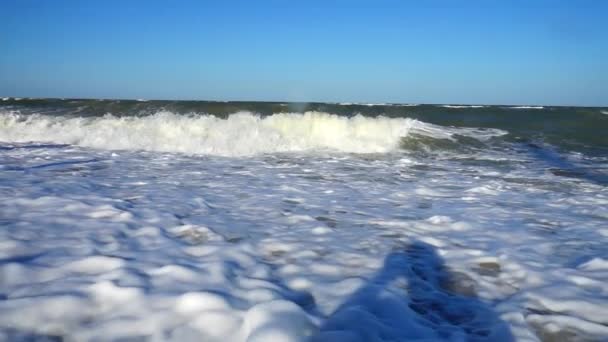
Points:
205	221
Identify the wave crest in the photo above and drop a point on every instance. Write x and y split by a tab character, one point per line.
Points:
239	134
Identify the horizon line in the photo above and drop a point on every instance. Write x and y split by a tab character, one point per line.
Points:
344	103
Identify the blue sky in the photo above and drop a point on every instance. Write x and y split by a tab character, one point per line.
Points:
474	51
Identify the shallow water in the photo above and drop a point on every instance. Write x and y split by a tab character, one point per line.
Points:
489	239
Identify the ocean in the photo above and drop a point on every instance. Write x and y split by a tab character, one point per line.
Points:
269	221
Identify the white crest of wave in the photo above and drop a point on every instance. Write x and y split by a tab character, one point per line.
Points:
462	106
527	107
240	134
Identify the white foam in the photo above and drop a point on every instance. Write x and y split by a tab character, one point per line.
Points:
374	104
595	264
278	320
94	265
462	106
240	134
363	104
99	245
526	107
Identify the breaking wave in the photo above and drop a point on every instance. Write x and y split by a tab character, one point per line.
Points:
462	106
239	134
526	107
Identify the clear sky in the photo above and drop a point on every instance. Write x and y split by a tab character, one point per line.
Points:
424	51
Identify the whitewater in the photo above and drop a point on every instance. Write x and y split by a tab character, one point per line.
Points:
298	226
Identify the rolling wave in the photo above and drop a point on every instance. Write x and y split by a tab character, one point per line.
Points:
239	134
526	107
462	106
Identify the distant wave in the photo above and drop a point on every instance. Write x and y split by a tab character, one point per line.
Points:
462	106
239	134
526	107
604	112
377	104
363	104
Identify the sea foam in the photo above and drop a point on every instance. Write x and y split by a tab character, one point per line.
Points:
239	134
106	245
